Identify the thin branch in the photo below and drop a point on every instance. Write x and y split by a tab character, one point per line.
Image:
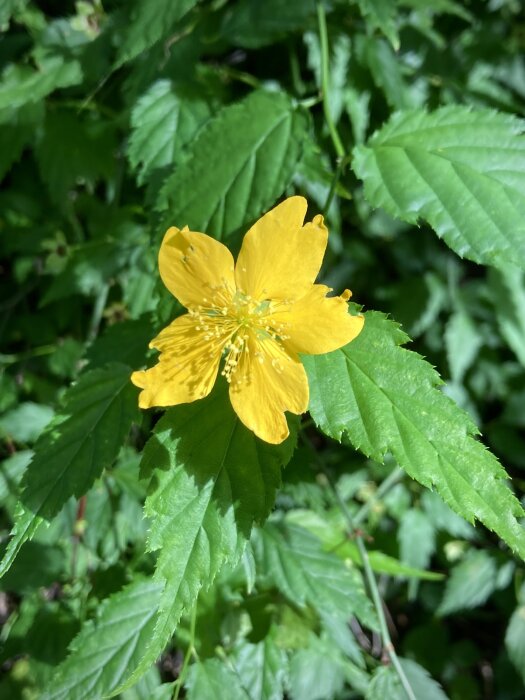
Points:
325	81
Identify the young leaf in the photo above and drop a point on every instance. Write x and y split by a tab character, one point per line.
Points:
293	560
81	441
254	146
460	170
150	22
105	649
163	121
211	480
386	399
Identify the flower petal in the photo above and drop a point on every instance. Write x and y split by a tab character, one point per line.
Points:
268	381
316	324
280	258
196	267
186	370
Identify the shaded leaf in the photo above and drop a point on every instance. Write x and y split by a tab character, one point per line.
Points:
208	680
471	583
515	640
82	440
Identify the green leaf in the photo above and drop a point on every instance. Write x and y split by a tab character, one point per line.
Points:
238	165
507	292
472	581
515	640
164	120
73	150
460	170
25	422
317	672
416	537
386	683
208	681
21	85
382	15
124	342
211	479
107	647
150	22
252	24
462	342
82	440
386	399
293	560
16	133
262	667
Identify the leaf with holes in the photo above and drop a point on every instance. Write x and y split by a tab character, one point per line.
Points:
238	165
461	170
386	399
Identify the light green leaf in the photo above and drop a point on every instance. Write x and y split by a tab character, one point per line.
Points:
471	583
382	15
417	539
105	649
462	342
262	667
82	440
507	291
25	422
515	640
21	85
386	683
386	399
238	165
150	22
293	560
317	672
208	681
460	170
211	479
163	121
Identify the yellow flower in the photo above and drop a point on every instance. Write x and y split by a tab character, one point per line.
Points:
259	314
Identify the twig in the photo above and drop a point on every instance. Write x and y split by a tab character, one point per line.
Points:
392	479
190	651
325	81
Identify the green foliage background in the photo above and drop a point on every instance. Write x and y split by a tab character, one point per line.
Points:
151	555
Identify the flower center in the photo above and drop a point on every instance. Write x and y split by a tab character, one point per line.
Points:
237	326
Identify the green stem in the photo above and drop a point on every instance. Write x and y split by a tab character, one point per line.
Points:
374	592
325	81
392	479
331	192
98	310
190	651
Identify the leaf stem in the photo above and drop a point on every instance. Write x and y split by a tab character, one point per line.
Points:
374	590
325	81
190	651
